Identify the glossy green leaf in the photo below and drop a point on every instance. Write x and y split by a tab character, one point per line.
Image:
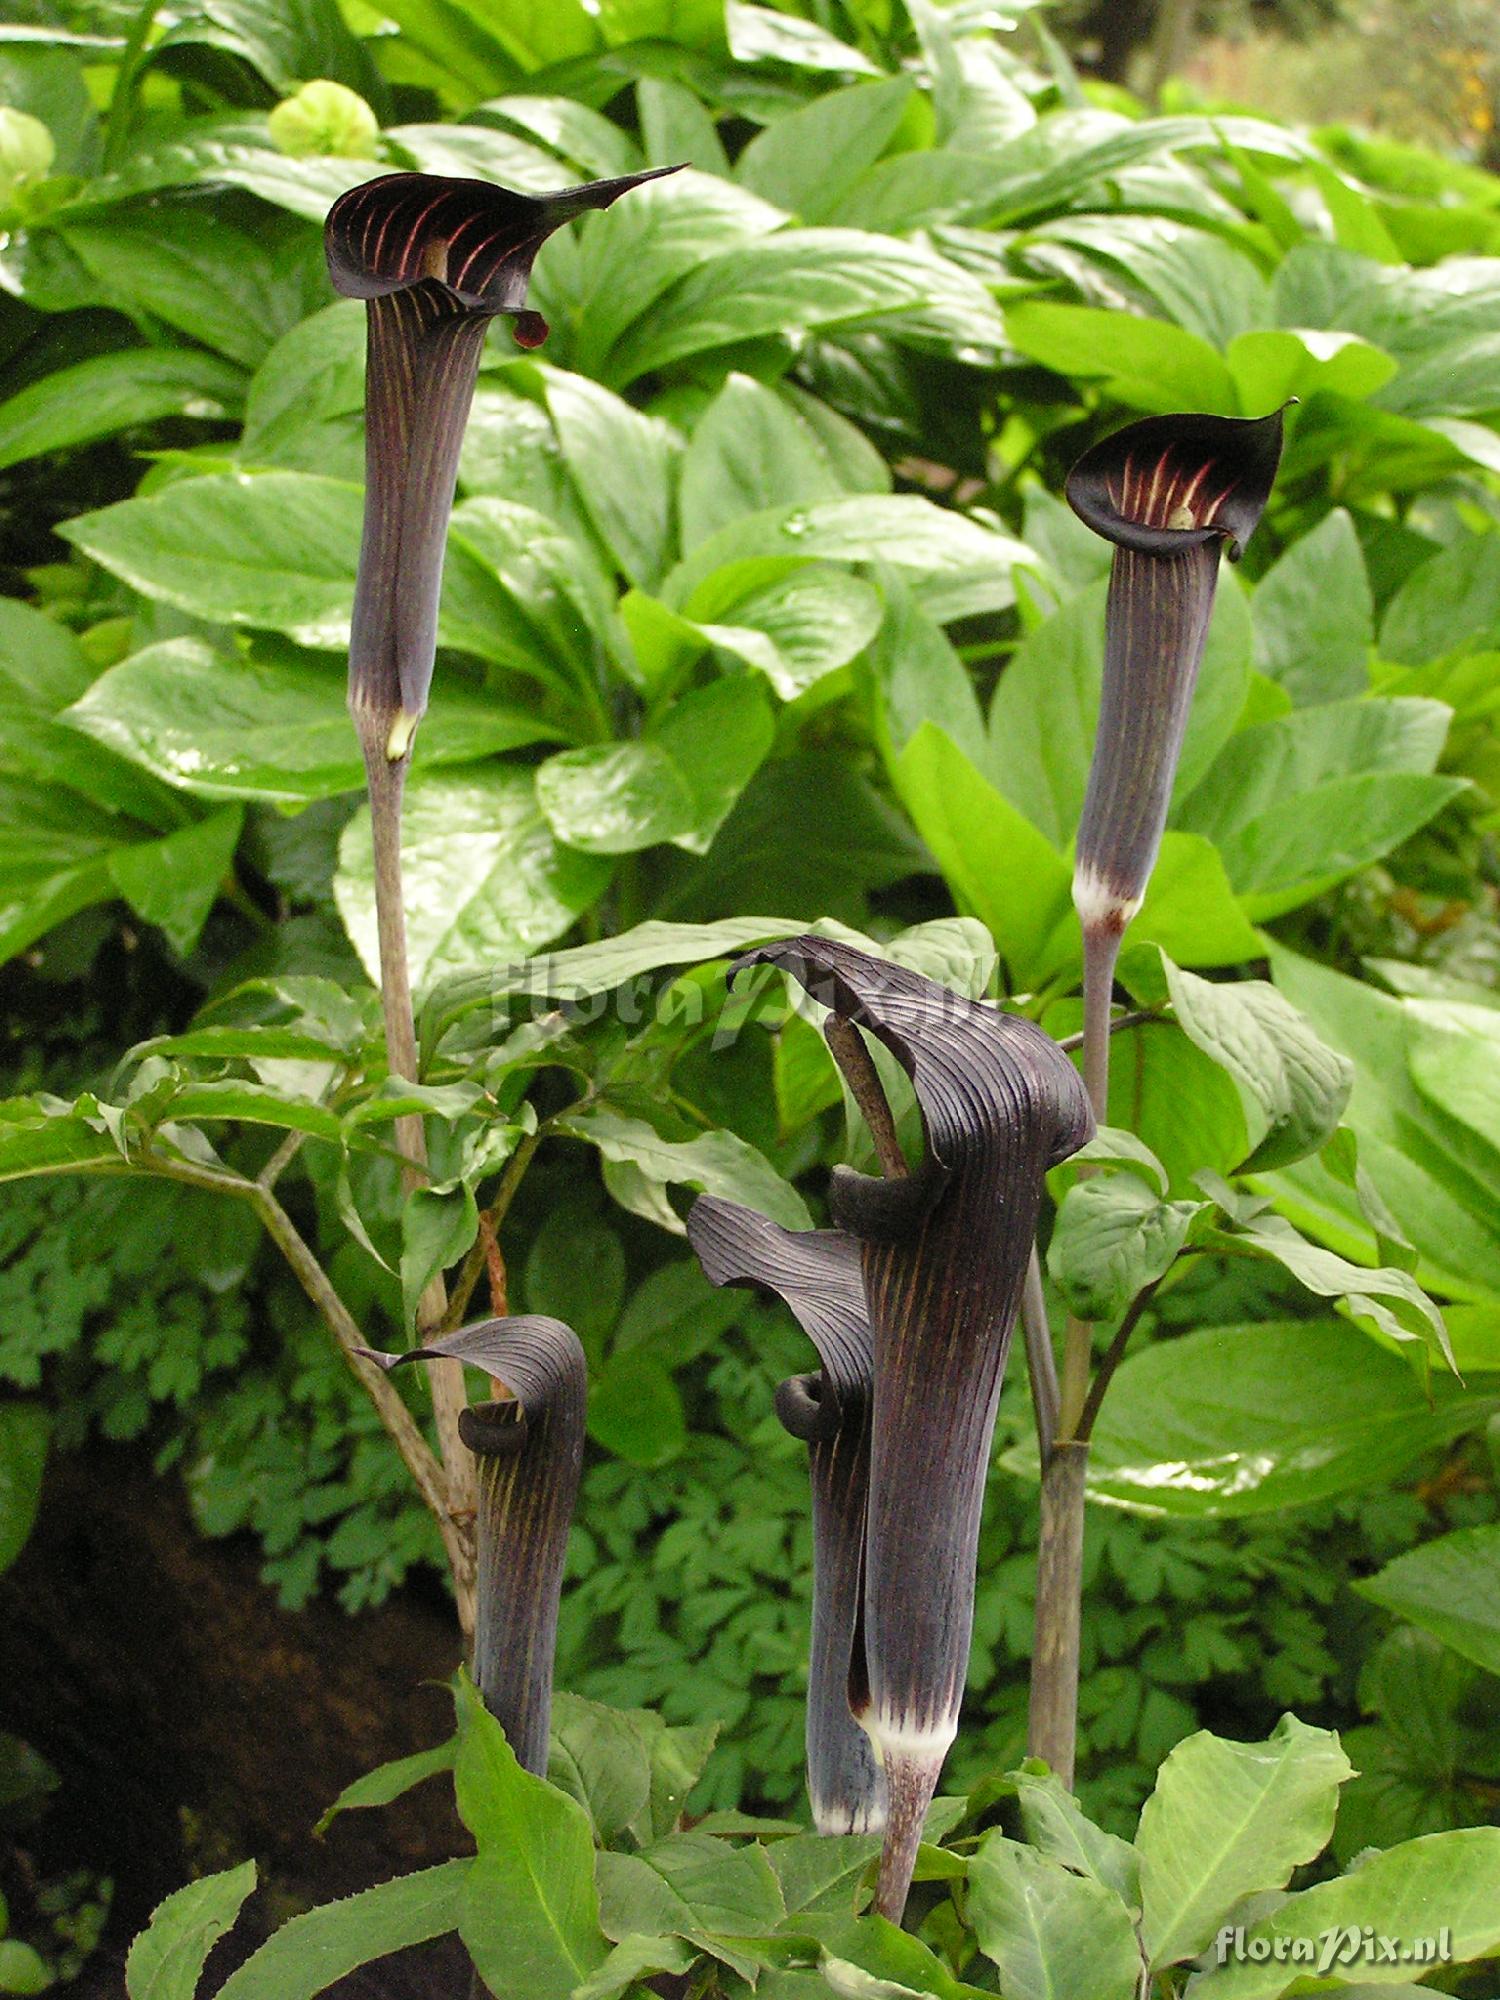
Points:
174	882
1447	1587
677	783
485	879
1293	1087
1447	1882
1388	1300
623	463
1148	364
1057	1826
24	1431
41	662
806	161
167	1959
751	449
437	1229
1237	1420
716	1163
310	1952
635	1410
115	392
529	1911
1453	1050
1051	1934
693	1886
1113	1236
1452	600
1228	1820
1314	616
273	726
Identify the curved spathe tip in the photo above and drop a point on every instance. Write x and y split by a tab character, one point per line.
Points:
1170	484
475	237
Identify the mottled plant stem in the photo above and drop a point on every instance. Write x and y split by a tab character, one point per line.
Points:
387	784
1052	1732
1052	1728
910	1784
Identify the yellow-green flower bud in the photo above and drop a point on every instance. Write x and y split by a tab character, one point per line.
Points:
328	118
26	152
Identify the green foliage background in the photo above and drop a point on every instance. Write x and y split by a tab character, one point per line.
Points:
760	603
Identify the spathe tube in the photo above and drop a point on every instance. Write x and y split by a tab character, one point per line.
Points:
529	1455
817	1273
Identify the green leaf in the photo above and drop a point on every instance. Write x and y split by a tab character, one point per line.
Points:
1272	366
677	783
1190	909
1113	1236
760	35
822	1872
1447	1880
41	662
1051	1934
994	860
1148	364
485	879
1451	602
437	1229
115	392
692	1886
601	1757
1447	1587
1056	1826
23	1970
167	1959
796	627
808	160
1228	1820
956	567
716	1163
175	882
1314	615
308	1954
636	1959
751	449
272	726
1229	1421
1293	1088
285	45
1389	1301
530	1911
24	1431
391	1781
805	280
622	462
920	679
1453	1051
48	1135
635	1410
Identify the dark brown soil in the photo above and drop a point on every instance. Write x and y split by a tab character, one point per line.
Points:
194	1723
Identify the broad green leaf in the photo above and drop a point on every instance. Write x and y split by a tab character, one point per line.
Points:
48	1135
1123	1147
1148	364
1228	1820
41	662
1201	281
601	1757
693	1886
635	1410
623	463
485	879
23	1969
115	392
806	280
167	1959
716	1163
808	160
751	449
1051	1934
956	567
529	1913
1448	1587
919	679
272	726
309	390
1293	1087
285	45
1237	1420
796	627
761	35
437	1229
822	1872
1452	601
1272	366
1113	1236
310	1952
1436	1175
1388	1300
634	1960
1447	1882
1190	909
174	882
1314	616
573	130
1454	1050
24	1431
391	1781
866	1958
1057	1826
676	783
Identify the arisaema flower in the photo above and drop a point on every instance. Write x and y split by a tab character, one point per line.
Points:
817	1273
942	1258
529	1453
1170	493
435	260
